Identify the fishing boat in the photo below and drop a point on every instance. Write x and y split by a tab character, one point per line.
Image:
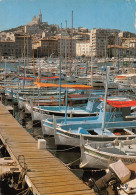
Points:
41	101
70	134
100	157
38	111
49	111
23	97
112	115
125	80
99	131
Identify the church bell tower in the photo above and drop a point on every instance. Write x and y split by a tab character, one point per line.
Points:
40	16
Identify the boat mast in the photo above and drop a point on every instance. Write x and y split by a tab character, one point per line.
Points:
0	58
33	64
60	76
66	48
71	42
5	73
66	102
24	58
91	67
105	98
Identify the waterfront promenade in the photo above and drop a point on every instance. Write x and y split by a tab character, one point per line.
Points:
44	173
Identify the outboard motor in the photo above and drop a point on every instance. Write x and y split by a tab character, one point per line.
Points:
118	174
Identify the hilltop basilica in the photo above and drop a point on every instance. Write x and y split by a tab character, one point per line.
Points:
34	26
36	20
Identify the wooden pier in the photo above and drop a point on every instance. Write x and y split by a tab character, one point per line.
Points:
44	173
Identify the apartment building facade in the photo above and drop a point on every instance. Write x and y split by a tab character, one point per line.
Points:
15	47
46	47
100	39
83	49
67	47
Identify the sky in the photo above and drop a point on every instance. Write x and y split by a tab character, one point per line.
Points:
114	14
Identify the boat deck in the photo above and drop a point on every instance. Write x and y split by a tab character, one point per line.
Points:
45	174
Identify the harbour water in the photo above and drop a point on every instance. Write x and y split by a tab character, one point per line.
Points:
14	66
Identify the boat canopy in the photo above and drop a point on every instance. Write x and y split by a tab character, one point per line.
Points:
27	78
120	104
63	85
43	78
50	78
125	76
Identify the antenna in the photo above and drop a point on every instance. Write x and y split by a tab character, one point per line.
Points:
66	23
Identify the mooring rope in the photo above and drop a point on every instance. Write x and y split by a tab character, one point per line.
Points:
69	164
23	192
62	150
37	123
21	175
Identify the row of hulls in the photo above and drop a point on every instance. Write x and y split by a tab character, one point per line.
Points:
68	131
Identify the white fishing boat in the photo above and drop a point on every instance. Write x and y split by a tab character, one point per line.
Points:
43	95
125	80
100	157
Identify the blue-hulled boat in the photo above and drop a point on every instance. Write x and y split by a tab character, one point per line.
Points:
112	115
70	134
47	124
116	125
89	110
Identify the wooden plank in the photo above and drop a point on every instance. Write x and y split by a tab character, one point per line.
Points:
53	176
58	189
77	193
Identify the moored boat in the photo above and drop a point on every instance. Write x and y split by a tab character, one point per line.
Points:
100	157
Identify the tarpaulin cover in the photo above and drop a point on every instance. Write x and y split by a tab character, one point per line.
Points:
27	78
63	86
43	78
120	104
55	77
121	77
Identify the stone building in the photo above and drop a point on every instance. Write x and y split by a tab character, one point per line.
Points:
67	47
100	39
127	48
46	47
126	34
15	47
118	52
83	49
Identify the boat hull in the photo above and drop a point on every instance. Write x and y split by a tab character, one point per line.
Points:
47	130
21	104
97	160
62	139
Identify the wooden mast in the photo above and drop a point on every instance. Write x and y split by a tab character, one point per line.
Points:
71	56
24	58
105	98
33	64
